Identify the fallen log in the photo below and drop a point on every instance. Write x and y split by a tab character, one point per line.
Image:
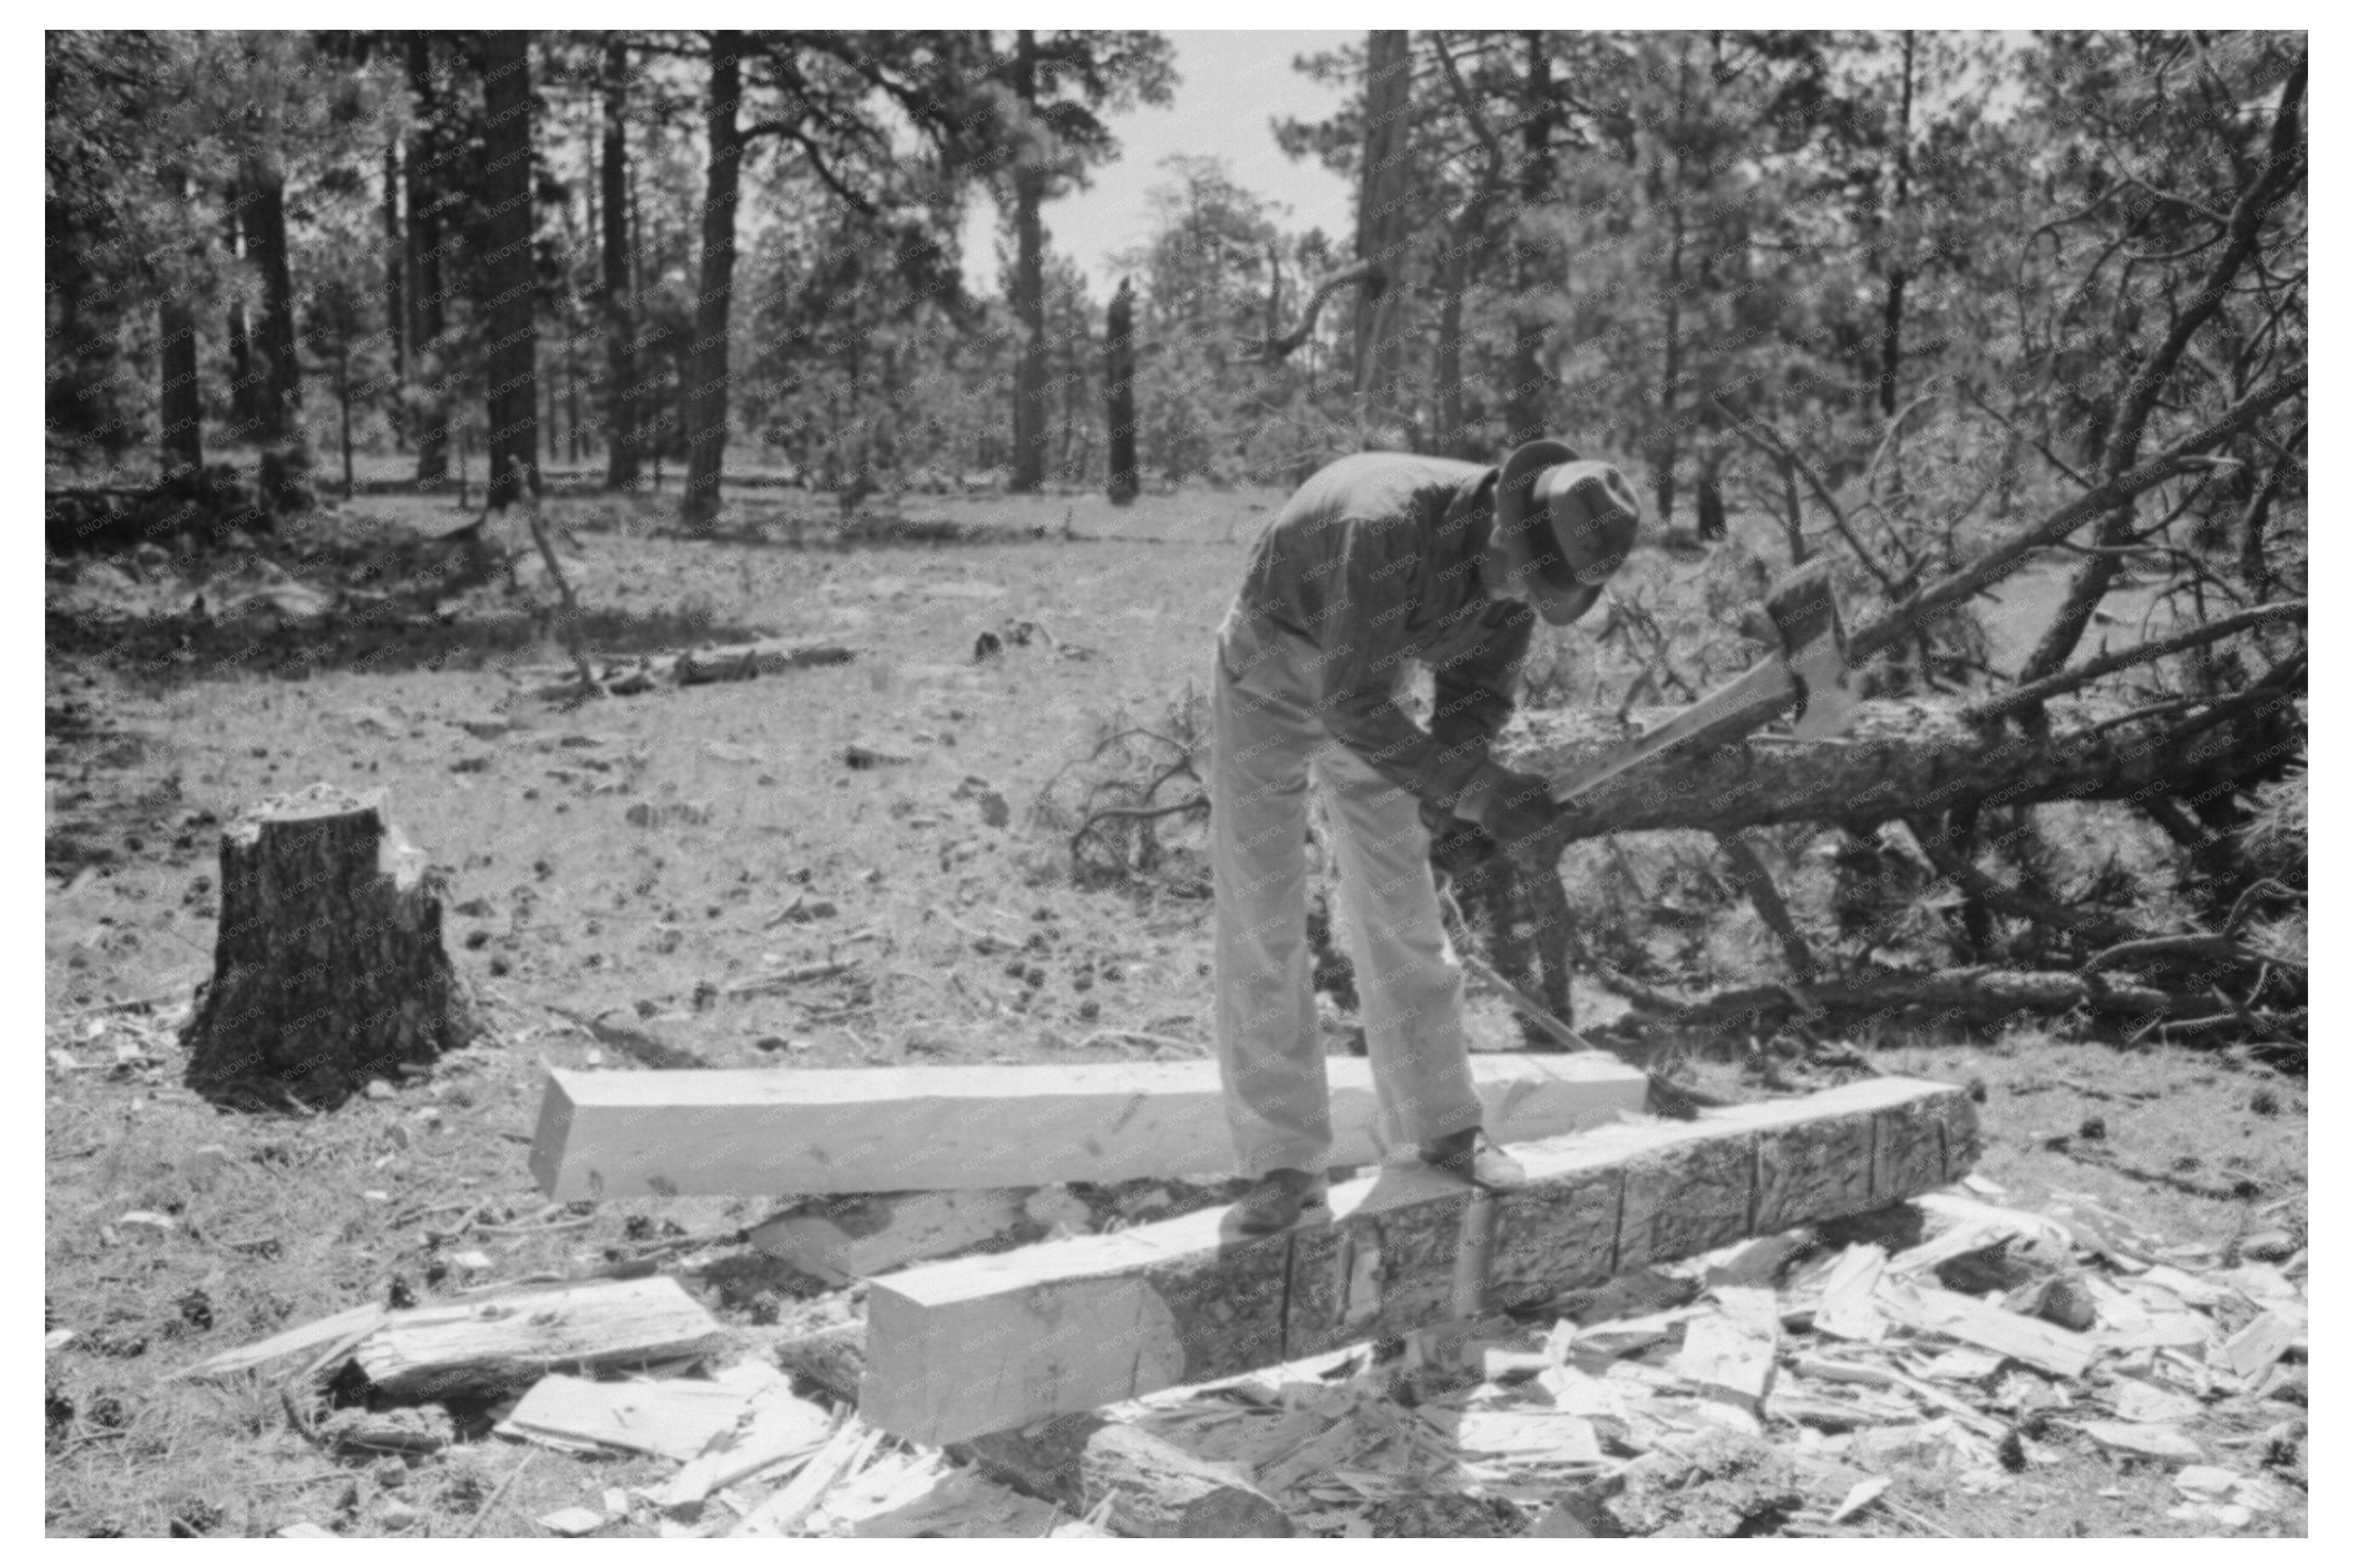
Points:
698	669
987	1344
885	1129
1978	998
1081	1462
484	1347
1900	759
695	666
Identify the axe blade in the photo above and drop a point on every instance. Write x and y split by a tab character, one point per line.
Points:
1805	610
1809	667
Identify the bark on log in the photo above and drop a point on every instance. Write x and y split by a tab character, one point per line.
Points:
1157	1489
1900	759
329	969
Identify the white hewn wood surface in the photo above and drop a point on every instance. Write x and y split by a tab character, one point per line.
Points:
874	1130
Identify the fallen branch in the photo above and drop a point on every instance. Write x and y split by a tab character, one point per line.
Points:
784	979
1975	997
1134	814
1997	563
2024	906
1749	871
572	639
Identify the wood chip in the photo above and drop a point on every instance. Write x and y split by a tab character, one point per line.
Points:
1846	1311
1552	1437
2149	1440
2205	1480
2144	1403
1858	1497
965	1505
843	1453
776	1428
1729	1359
572	1520
1579	1393
358	1321
2261	1342
672	1418
1926	1310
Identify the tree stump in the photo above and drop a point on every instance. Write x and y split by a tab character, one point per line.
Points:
329	969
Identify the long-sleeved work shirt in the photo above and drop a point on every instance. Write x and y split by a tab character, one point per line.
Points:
1375	560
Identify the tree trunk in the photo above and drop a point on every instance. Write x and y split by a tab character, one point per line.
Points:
1891	329
329	969
395	310
244	409
1119	386
576	446
1902	758
429	389
1452	439
179	400
1383	232
706	384
620	356
1028	285
512	363
1711	506
1524	401
1662	473
2145	382
280	404
344	403
181	409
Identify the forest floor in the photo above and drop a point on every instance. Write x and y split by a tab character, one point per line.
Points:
923	871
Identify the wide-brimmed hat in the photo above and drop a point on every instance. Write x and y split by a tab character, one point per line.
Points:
1566	524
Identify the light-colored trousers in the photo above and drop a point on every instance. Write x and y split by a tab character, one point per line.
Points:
1268	739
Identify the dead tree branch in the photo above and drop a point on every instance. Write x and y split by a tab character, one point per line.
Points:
2084	674
1997	563
1274	350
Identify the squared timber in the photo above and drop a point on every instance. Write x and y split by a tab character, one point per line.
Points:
882	1129
981	1345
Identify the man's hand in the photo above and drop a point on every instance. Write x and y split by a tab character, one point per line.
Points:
1512	808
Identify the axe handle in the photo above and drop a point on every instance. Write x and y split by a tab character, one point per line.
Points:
1667	1099
1727	714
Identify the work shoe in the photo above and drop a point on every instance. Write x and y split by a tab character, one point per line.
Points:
1277	1200
1472	1155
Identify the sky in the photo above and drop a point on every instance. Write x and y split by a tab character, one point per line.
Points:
1231	87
